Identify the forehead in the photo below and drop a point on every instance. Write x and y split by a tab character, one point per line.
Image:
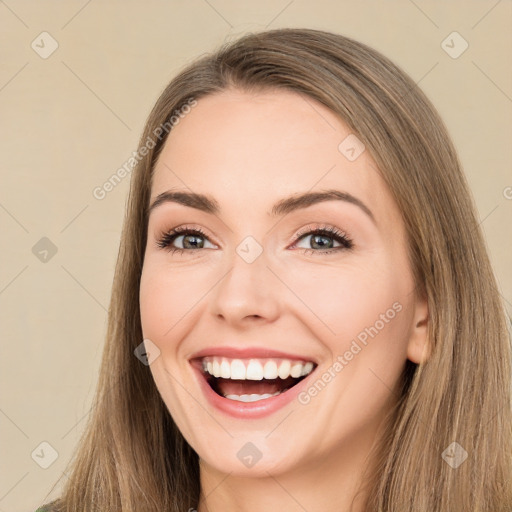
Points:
255	148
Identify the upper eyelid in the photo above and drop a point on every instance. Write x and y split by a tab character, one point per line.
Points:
184	230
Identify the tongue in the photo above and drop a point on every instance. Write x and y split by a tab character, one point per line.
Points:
248	387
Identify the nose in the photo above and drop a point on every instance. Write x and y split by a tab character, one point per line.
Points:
248	292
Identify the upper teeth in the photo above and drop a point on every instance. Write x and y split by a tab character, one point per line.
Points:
255	369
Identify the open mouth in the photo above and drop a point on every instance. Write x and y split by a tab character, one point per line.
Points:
252	380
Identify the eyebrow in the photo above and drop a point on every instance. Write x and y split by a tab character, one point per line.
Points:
208	204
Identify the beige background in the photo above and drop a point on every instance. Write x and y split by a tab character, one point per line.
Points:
70	120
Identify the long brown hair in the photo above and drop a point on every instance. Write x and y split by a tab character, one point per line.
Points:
132	457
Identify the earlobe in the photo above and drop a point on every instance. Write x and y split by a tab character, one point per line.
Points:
419	347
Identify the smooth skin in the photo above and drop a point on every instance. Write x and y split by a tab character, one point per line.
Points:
248	151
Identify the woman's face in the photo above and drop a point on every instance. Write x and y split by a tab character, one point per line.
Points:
247	300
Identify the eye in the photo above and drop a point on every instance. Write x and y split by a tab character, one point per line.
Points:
322	240
190	239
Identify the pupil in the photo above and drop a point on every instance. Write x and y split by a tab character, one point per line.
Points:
194	238
320	237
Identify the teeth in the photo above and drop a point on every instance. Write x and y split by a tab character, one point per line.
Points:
255	369
225	369
270	370
251	398
284	369
216	368
296	370
237	370
307	369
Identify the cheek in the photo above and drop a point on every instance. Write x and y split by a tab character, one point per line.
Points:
167	296
349	298
365	314
154	294
165	300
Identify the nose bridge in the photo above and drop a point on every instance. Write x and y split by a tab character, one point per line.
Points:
248	288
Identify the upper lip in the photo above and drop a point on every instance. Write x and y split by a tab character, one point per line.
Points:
249	353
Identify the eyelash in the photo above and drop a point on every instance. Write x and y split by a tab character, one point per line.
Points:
167	238
330	232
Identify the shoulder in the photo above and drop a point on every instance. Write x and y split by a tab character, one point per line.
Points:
52	506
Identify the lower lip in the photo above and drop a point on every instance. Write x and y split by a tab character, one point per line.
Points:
249	410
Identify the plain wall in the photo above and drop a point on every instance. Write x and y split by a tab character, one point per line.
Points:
70	120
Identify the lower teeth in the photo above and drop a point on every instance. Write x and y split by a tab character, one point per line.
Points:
251	398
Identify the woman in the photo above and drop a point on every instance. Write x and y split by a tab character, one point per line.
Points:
303	316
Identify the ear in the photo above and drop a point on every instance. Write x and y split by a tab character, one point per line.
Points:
419	347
